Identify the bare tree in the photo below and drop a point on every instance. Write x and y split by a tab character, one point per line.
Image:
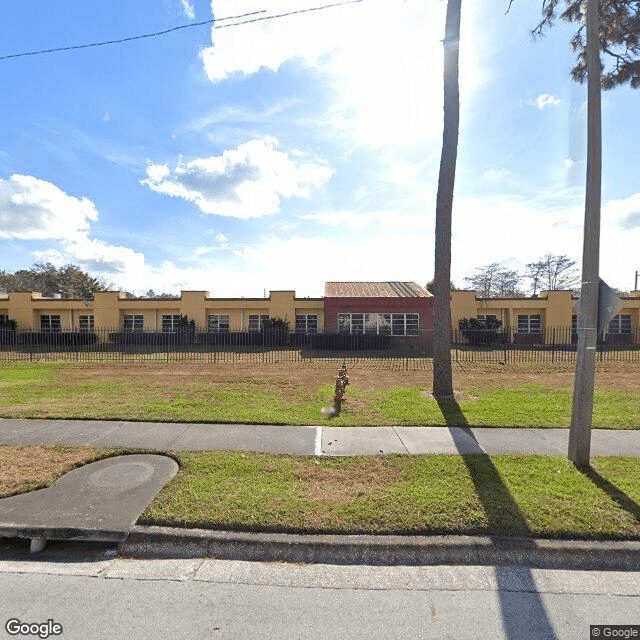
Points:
495	281
442	372
552	273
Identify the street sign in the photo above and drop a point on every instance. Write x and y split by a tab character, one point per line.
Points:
609	304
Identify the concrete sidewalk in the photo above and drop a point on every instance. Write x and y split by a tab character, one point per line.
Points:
311	440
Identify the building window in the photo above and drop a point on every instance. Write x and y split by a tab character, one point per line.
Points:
397	324
351	322
4	318
86	323
218	323
529	323
377	323
487	317
306	323
170	323
619	325
133	323
50	323
255	321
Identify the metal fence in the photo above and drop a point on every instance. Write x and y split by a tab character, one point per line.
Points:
265	347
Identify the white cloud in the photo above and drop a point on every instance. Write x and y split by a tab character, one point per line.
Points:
187	7
542	101
381	63
358	221
246	182
496	175
31	208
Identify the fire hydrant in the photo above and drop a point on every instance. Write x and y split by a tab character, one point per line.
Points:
342	380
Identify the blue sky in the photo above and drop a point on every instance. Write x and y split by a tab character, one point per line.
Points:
289	152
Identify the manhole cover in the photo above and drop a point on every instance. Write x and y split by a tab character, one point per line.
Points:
124	474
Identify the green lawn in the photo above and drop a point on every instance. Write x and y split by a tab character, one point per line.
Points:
477	494
41	390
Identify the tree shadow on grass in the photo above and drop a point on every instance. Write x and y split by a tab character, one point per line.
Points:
522	613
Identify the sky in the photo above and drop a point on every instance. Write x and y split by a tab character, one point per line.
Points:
291	151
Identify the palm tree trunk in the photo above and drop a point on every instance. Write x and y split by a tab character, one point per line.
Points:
442	374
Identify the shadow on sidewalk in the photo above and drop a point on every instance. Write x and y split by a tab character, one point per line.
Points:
522	614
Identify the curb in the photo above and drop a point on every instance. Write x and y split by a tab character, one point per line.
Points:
166	542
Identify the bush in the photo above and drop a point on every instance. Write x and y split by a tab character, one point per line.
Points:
480	332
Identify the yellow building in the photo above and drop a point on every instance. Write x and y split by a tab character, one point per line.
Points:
114	310
549	317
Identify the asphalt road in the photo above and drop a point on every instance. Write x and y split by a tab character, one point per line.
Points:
94	594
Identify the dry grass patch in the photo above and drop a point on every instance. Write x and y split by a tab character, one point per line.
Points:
340	485
28	468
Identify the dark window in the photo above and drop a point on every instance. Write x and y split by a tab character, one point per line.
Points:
306	323
218	323
255	321
86	323
133	323
50	323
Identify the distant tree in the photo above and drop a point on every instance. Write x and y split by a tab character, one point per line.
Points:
431	285
552	273
160	296
507	283
495	281
69	281
619	38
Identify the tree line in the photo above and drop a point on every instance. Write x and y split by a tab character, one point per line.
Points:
69	281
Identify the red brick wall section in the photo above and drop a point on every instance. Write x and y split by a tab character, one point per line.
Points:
334	306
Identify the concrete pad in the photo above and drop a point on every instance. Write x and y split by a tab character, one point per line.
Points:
555	438
619	583
155	569
609	442
13	430
76	432
360	441
437	440
324	576
497	441
99	501
141	435
296	440
58	558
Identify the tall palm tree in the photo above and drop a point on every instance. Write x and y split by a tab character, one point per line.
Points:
442	374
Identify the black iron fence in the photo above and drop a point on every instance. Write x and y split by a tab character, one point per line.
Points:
187	345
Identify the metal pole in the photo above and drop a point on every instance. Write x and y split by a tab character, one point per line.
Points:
581	416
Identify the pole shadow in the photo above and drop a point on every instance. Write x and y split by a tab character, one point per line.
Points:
523	612
617	495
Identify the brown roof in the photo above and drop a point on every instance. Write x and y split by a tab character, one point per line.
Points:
375	290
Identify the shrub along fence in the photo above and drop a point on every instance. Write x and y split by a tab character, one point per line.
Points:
275	346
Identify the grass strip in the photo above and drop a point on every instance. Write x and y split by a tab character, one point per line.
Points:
538	496
41	390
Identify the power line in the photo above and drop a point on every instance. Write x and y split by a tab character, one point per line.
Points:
214	21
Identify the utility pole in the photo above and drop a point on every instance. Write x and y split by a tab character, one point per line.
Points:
635	287
582	411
